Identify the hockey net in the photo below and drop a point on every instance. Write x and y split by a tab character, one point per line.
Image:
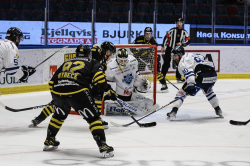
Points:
146	56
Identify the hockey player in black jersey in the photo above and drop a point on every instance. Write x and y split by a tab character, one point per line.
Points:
147	54
101	55
69	87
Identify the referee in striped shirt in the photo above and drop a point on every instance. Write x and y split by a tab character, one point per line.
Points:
175	37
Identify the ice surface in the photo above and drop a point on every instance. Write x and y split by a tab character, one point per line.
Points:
197	137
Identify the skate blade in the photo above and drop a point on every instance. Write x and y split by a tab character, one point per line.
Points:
170	118
221	116
165	91
32	126
107	154
48	148
105	127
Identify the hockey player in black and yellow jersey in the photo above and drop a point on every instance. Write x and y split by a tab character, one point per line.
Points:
146	54
69	87
101	54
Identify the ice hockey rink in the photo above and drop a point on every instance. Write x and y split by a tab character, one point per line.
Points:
197	137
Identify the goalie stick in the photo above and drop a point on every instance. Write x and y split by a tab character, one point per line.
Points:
50	56
126	125
148	64
22	109
135	121
238	123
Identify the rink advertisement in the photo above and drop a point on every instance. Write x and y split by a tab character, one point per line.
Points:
30	29
75	33
223	34
29	58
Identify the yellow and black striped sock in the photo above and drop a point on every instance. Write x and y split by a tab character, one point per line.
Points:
46	112
55	125
160	78
97	129
99	105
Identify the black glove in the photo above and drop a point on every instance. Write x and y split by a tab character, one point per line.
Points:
110	95
27	71
191	90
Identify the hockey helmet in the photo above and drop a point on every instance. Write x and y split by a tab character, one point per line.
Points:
180	19
122	57
105	46
13	33
82	51
96	53
148	30
178	49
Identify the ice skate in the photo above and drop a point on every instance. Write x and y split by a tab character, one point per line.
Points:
104	124
164	88
218	112
180	80
35	122
106	151
172	114
51	144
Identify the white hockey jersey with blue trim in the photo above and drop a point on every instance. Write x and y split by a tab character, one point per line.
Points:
125	78
188	63
9	59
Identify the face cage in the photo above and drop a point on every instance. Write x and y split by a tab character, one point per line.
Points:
122	61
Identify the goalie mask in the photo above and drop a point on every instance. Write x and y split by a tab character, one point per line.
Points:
122	57
83	51
148	33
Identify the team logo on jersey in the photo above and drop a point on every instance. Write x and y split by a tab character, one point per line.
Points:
128	78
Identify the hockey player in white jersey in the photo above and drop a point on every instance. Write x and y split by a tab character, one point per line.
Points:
123	71
199	74
9	56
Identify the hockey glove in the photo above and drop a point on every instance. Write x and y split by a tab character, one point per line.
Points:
190	89
27	71
110	95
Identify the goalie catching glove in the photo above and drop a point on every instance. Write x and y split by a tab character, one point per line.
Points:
142	85
27	71
110	95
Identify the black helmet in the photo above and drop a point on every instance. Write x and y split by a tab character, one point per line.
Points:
82	51
148	30
105	46
180	19
178	50
122	56
14	33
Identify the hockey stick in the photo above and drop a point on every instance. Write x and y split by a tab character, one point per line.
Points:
151	124
23	109
50	56
148	64
238	123
126	125
168	80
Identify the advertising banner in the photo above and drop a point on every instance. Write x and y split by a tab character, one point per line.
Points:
31	30
75	33
223	34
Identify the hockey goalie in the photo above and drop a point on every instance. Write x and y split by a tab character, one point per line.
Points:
122	74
